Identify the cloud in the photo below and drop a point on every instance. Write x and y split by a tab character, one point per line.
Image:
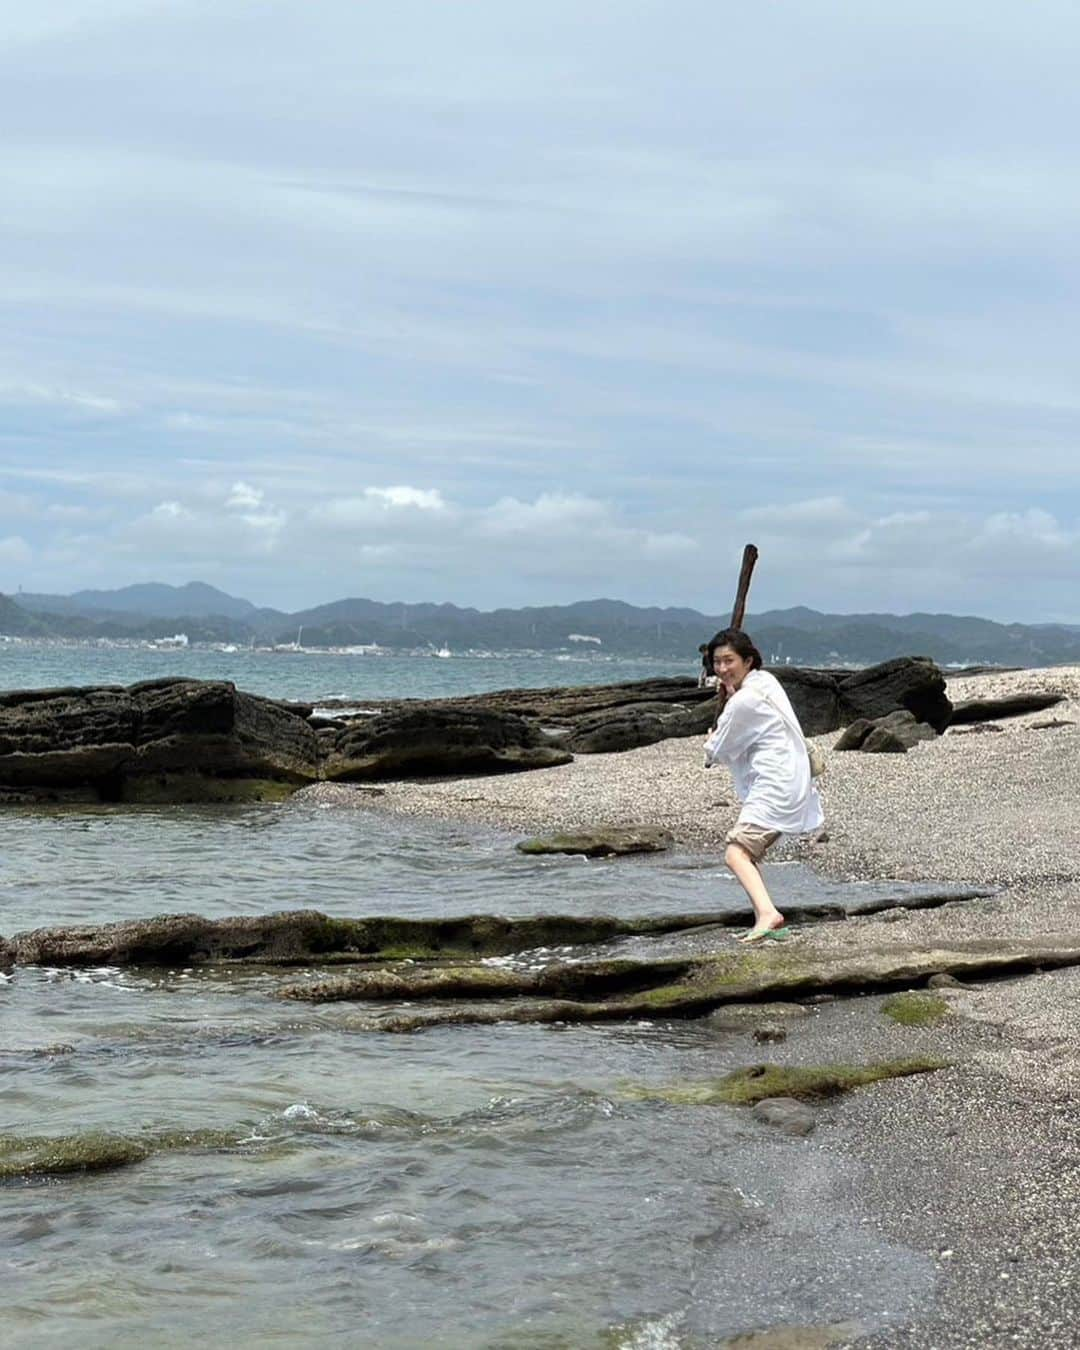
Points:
1033	529
244	497
549	513
393	508
825	512
15	549
424	499
169	511
539	332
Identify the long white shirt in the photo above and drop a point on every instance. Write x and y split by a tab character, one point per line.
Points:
759	739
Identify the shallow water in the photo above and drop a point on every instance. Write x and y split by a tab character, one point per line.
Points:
460	1187
480	1186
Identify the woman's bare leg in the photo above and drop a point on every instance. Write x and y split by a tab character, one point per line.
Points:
766	915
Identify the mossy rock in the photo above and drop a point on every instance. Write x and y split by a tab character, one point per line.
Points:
916	1009
605	841
745	1087
41	1155
98	1150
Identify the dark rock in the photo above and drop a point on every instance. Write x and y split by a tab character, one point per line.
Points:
853	736
785	1114
991	709
191	740
911	682
884	742
296	937
605	718
178	940
814	695
769	1032
171	739
942	980
602	718
639	724
896	732
604	841
906	724
439	738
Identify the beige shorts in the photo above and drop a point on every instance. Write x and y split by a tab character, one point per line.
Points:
756	839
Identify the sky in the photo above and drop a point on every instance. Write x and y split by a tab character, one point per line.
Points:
510	303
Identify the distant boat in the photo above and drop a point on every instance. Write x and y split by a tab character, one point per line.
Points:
291	646
170	643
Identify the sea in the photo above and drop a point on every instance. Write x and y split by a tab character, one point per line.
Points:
305	1179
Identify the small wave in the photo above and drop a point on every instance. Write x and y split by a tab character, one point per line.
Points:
659	1333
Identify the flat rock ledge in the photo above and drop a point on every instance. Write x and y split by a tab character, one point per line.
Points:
308	937
979	710
612	990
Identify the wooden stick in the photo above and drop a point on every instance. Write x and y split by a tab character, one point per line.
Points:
749	558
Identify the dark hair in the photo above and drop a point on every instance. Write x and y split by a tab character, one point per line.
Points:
739	643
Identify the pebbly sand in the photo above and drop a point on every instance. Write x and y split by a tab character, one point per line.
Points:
978	1167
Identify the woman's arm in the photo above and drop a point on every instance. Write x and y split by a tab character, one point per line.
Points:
734	732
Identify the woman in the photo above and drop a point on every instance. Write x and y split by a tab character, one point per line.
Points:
758	737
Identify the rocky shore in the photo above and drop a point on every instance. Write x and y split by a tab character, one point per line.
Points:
954	1104
978	1167
184	740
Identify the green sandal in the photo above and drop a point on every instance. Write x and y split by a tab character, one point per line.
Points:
757	935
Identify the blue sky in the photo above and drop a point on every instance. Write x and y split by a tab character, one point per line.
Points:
503	302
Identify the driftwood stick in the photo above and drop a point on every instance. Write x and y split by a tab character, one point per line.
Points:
749	558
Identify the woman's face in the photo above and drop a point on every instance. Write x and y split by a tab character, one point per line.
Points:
730	667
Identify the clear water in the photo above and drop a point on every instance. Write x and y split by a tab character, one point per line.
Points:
459	1187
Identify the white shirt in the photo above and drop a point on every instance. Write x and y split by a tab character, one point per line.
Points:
761	743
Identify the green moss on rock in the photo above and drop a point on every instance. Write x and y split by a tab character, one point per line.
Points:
38	1155
42	1155
916	1009
746	1086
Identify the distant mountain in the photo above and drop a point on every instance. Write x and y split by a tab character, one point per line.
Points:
16	622
148	600
797	635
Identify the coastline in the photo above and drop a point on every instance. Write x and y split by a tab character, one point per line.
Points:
964	807
976	1167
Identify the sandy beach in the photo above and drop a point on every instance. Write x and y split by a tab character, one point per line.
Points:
979	1167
